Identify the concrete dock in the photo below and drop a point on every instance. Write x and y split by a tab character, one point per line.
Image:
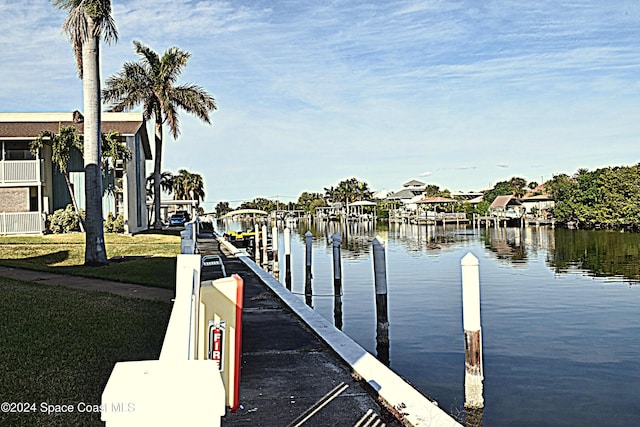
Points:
289	376
298	369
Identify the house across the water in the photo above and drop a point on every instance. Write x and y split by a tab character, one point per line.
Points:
31	186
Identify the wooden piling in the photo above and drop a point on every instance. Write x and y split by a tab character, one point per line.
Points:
274	251
265	253
382	318
256	255
474	374
336	240
308	291
287	258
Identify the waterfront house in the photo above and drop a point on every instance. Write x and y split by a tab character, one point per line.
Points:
508	207
538	203
31	186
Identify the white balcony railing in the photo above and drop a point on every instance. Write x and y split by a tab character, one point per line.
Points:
19	171
21	223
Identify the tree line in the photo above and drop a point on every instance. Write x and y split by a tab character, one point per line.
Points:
604	198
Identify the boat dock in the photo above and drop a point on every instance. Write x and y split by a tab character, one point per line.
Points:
298	369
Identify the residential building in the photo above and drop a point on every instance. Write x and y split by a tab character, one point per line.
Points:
31	186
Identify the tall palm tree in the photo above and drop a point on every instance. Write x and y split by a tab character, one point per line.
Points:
87	22
166	183
61	143
188	186
152	82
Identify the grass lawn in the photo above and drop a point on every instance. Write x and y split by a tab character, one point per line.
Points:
59	345
146	259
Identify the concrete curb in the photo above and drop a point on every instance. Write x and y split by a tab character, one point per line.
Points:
412	406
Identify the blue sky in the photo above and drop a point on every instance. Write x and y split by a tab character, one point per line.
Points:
460	94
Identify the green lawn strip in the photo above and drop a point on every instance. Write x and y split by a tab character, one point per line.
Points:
146	259
60	345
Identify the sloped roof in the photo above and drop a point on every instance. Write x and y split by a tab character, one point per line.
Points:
413	183
29	125
432	200
404	194
537	198
503	201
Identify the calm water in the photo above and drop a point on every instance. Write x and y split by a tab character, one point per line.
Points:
560	315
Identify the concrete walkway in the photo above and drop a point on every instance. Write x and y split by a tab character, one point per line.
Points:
290	376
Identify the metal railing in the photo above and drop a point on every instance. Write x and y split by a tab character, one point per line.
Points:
16	171
21	223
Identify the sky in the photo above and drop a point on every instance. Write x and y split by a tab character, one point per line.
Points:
458	94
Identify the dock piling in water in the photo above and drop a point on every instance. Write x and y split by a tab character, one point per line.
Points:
474	375
274	250
265	253
308	291
336	240
287	258
380	280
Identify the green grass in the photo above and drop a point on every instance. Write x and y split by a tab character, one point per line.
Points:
59	346
146	259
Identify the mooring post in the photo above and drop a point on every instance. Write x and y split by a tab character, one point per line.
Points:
287	258
274	251
265	253
256	255
380	279
308	292
336	240
474	374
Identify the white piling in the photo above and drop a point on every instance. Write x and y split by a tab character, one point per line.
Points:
274	251
380	278
336	240
287	258
265	254
474	374
308	291
256	255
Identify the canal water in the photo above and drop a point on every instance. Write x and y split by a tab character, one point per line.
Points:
560	315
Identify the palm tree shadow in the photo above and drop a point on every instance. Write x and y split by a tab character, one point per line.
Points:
48	259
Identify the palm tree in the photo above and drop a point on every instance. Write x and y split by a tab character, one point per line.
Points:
86	23
113	149
152	83
61	143
166	183
188	186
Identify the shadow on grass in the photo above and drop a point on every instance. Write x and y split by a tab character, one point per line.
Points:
154	271
40	262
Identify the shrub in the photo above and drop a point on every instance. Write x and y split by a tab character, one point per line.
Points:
64	220
114	224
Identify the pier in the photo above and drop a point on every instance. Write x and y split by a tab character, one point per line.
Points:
298	368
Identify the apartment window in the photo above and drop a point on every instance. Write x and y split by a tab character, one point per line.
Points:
17	151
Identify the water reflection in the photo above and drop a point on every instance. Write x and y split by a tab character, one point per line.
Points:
598	253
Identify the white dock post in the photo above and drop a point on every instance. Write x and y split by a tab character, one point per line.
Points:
256	240
308	291
336	240
265	253
274	251
474	374
380	278
287	258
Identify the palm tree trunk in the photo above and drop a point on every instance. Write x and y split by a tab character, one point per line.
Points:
74	202
95	252
157	165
